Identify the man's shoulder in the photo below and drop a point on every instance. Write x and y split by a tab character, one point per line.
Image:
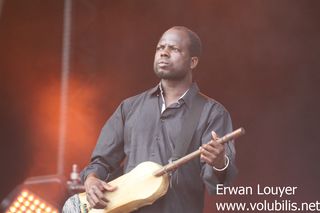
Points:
213	104
132	102
142	95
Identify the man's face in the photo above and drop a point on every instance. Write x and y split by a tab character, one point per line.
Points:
172	60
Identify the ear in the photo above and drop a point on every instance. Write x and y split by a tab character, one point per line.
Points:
194	62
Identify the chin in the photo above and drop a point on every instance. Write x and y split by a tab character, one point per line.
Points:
168	75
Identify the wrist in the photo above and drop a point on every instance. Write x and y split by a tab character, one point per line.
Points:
226	164
90	177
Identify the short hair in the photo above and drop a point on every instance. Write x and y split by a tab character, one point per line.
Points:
195	47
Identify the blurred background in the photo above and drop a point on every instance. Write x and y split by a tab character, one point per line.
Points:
260	59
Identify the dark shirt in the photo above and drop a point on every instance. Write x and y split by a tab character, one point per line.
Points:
138	132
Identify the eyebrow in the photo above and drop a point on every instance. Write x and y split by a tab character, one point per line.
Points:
169	45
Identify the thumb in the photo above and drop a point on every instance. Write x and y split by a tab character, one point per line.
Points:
214	135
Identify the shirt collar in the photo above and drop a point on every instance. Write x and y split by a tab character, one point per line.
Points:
155	91
189	96
186	98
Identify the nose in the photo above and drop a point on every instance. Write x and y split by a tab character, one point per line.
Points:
164	53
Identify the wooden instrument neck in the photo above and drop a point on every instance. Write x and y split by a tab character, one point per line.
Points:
175	164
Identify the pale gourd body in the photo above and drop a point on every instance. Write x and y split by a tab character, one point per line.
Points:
135	189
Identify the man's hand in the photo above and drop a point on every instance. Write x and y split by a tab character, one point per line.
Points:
213	153
95	189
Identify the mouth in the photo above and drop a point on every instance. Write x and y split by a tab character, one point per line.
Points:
163	63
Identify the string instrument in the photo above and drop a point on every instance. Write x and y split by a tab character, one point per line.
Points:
144	184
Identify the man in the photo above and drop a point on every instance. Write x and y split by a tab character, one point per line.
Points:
147	127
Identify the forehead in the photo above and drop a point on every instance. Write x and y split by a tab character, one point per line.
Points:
175	37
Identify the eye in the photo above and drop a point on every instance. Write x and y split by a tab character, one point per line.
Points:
175	49
160	47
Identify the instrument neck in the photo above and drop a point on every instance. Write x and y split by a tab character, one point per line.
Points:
175	164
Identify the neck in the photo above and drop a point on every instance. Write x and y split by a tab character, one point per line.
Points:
173	90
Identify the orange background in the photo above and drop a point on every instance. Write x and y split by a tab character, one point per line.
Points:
261	60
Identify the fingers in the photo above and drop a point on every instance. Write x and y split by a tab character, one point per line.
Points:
210	153
207	156
213	152
213	148
96	198
95	191
109	187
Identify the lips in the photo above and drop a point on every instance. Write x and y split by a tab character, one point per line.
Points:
163	63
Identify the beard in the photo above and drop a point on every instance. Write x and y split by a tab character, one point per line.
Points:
169	74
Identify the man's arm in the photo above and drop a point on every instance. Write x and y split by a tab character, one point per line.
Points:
106	157
214	155
219	160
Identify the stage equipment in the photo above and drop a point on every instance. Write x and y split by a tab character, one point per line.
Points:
37	194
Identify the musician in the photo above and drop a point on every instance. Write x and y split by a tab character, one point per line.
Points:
147	126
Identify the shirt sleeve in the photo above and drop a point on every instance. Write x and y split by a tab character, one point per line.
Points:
221	123
109	151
